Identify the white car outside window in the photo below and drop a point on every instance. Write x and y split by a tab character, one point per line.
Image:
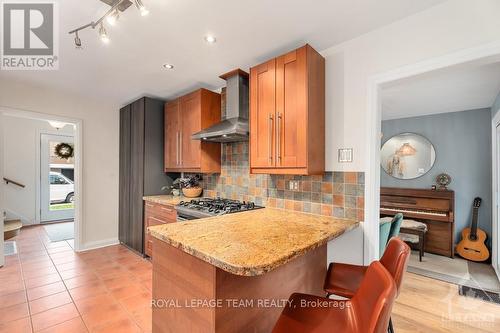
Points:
62	188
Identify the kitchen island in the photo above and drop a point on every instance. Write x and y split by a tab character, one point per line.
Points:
233	273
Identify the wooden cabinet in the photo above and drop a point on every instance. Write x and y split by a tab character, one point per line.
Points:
172	135
185	116
287	114
262	114
156	214
141	171
190	152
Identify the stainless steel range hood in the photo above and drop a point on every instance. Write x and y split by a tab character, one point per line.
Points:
234	127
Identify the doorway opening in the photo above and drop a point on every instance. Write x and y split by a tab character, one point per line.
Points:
437	113
42	161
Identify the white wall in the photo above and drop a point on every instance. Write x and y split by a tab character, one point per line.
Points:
347	248
20	140
443	29
100	151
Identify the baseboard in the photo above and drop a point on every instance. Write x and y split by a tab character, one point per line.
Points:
98	244
497	271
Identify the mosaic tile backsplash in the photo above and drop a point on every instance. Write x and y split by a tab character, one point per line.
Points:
339	194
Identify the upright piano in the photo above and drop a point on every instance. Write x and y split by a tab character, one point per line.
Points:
435	208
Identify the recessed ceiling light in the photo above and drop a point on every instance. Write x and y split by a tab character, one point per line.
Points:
168	66
210	39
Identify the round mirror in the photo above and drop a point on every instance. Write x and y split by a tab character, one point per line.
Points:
407	156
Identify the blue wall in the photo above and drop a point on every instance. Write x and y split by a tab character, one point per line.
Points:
462	141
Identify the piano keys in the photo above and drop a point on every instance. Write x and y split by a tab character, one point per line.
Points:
411	211
435	208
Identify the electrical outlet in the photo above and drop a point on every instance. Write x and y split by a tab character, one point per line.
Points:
293	185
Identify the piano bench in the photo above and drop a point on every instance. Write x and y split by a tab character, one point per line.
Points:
413	232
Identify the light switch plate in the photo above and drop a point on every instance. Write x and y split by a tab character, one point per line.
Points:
345	155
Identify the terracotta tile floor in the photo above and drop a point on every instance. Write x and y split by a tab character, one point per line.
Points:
47	287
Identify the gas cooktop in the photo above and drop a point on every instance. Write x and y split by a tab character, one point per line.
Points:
206	207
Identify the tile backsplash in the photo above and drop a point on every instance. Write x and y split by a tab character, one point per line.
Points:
339	194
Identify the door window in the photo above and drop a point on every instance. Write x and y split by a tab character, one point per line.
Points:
57	180
56	188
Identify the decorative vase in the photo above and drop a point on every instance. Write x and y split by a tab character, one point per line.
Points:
176	192
192	192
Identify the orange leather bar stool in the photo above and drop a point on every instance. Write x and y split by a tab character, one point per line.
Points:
344	279
368	311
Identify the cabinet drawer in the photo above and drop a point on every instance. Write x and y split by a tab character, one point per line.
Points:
154	220
163	212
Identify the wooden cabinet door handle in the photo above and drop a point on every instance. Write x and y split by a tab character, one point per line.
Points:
177	148
270	138
180	148
278	145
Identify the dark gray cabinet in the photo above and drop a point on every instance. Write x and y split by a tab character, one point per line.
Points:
141	166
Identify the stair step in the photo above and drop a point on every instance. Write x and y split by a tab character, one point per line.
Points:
11	228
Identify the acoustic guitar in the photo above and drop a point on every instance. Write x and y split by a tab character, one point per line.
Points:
472	245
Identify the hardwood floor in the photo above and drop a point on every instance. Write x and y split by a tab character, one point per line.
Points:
47	287
428	305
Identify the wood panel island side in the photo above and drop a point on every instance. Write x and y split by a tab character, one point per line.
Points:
234	273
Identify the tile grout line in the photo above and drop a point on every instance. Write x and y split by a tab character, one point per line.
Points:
26	288
67	291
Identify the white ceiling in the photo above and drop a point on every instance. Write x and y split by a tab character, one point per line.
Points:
248	32
459	88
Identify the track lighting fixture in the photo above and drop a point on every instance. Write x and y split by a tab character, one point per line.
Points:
111	17
144	11
103	34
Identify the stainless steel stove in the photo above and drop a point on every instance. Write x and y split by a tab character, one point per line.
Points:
206	207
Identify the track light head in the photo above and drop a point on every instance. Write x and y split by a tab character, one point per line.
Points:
113	17
103	34
78	42
142	9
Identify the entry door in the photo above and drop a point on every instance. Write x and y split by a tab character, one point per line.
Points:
57	188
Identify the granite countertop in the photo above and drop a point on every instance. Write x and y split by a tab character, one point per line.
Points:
165	199
254	242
